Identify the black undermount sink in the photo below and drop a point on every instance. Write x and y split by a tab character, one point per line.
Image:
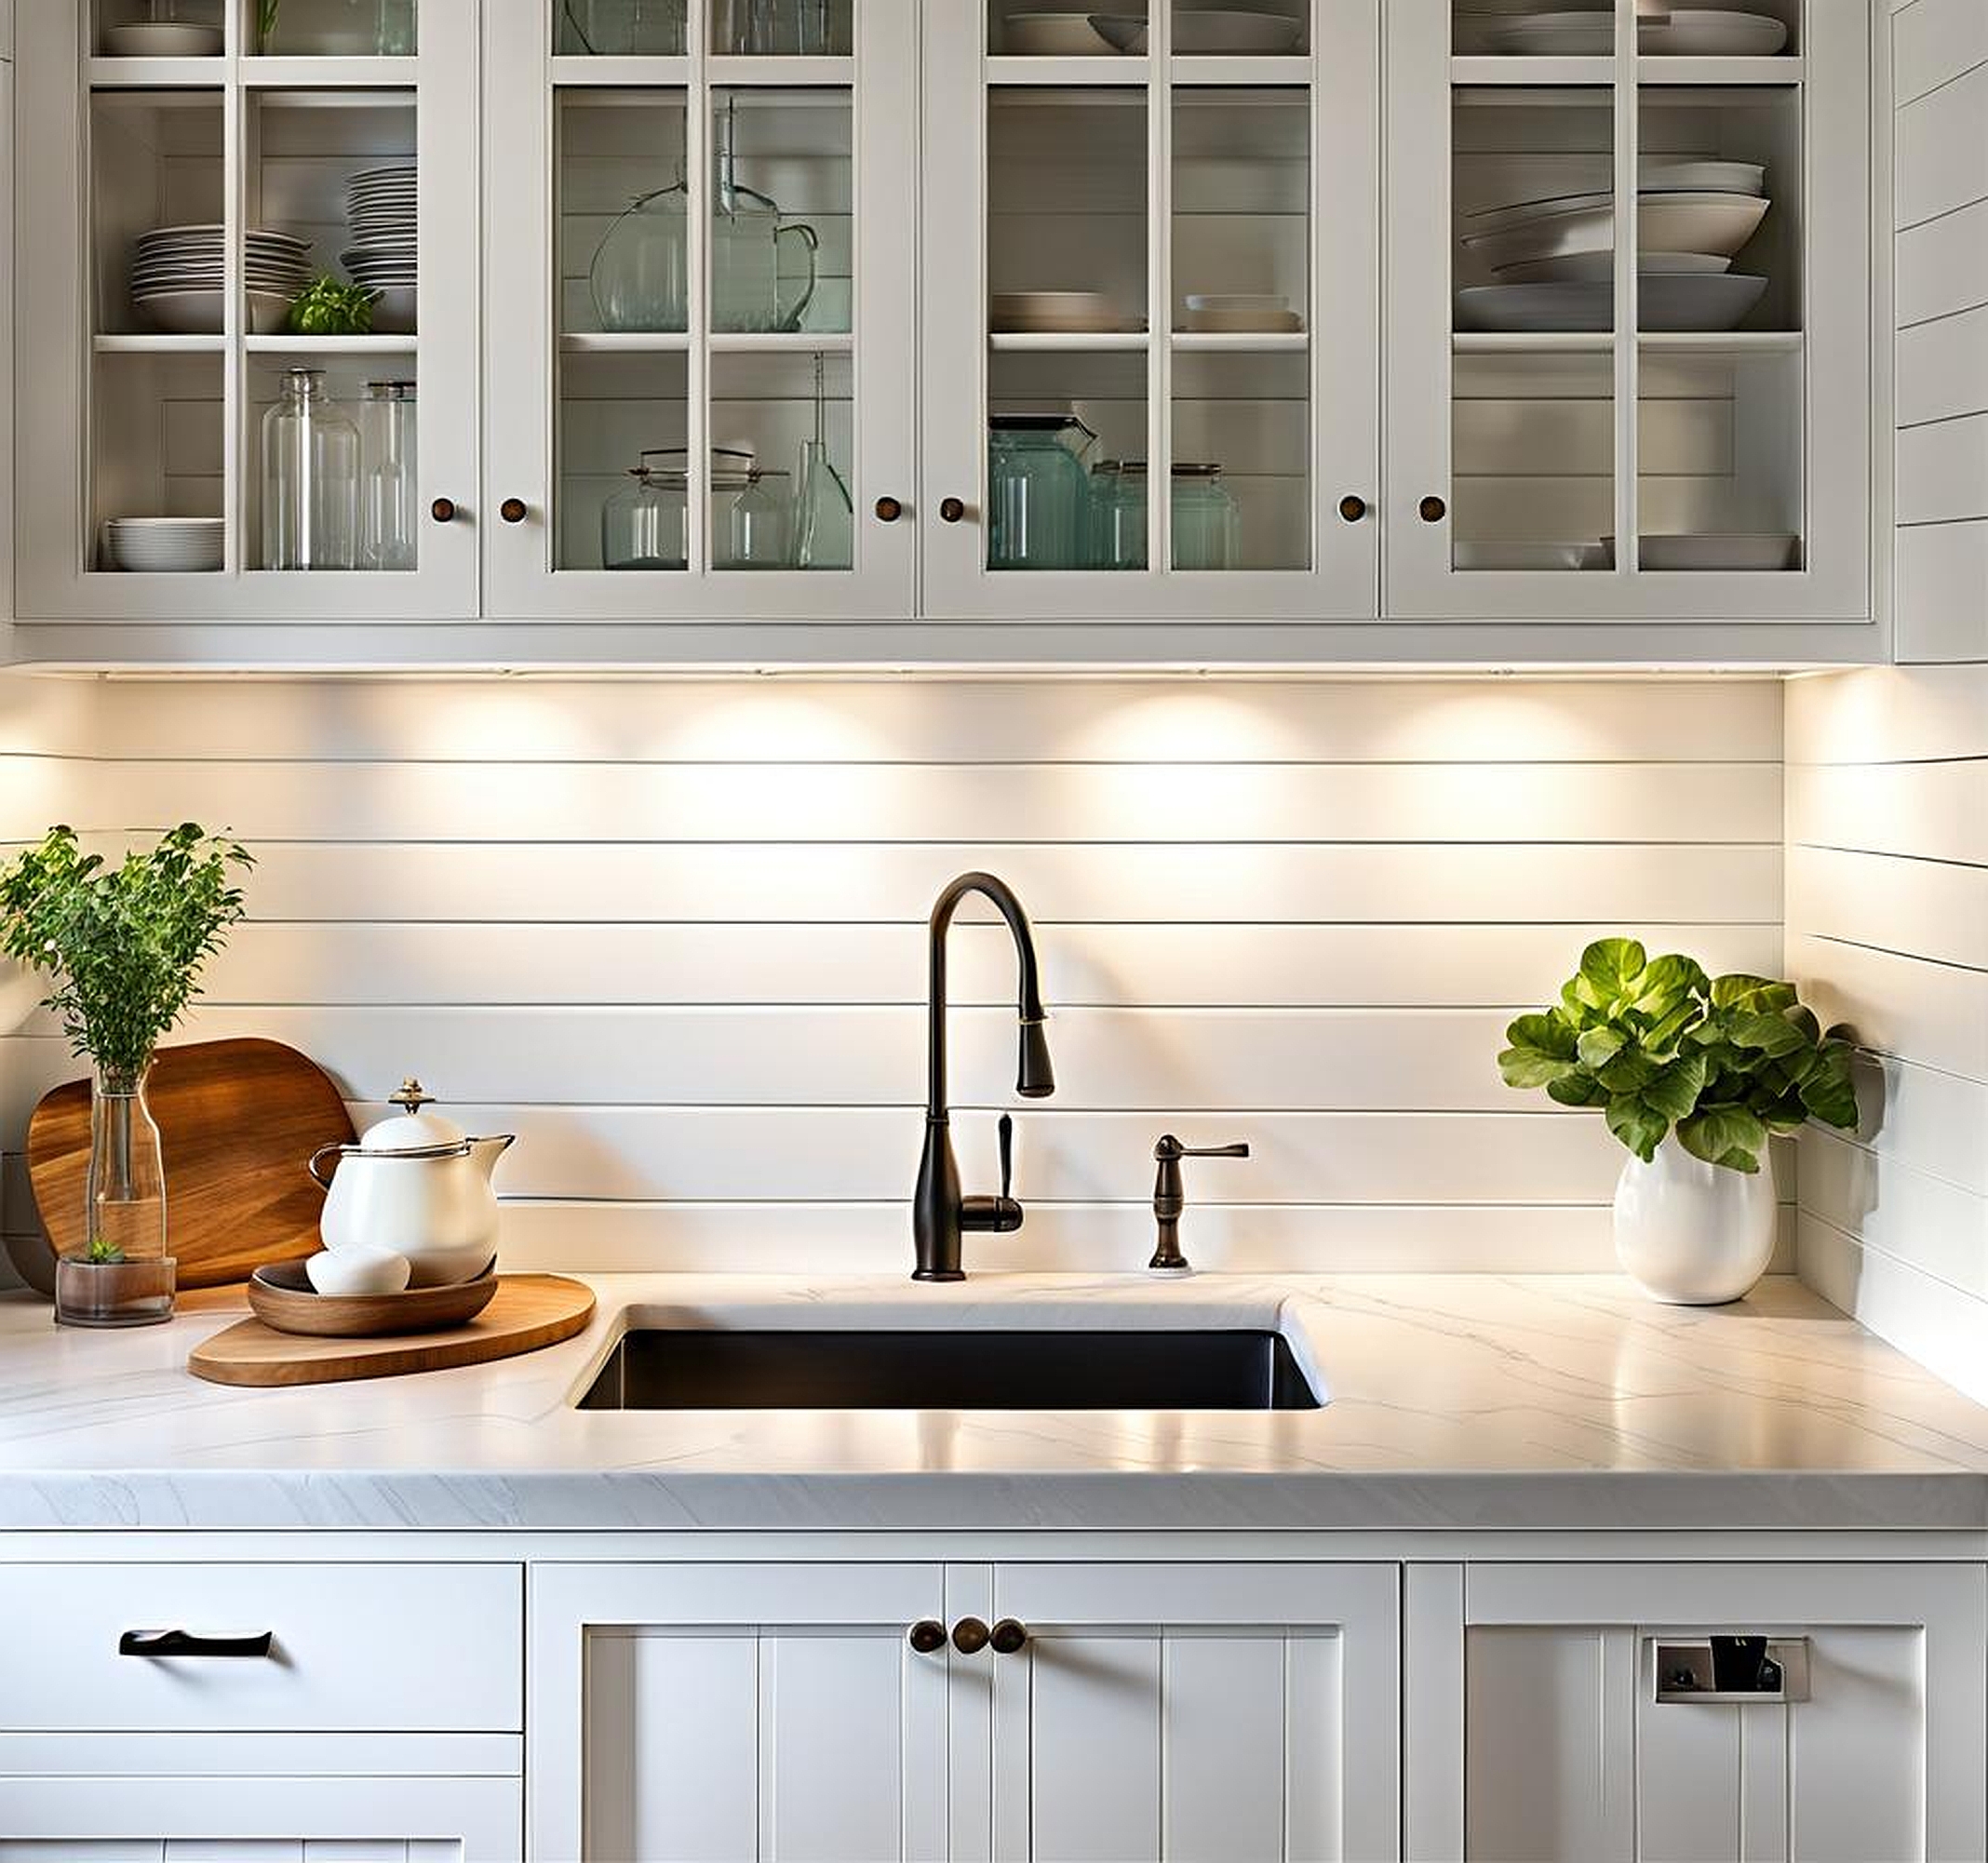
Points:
653	1368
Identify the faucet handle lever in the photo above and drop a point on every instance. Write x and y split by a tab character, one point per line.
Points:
1006	1133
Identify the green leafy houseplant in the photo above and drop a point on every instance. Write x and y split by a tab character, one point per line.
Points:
1660	1045
123	945
328	307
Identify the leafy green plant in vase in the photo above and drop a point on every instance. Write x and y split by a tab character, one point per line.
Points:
123	946
1694	1074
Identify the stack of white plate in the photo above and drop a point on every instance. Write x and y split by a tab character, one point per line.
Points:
1555	258
162	39
1662	31
176	278
383	210
1057	313
1236	312
164	545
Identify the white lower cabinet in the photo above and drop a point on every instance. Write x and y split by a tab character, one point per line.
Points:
1572	1752
1202	1713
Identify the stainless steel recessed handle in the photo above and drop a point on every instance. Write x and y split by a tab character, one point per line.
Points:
1730	1669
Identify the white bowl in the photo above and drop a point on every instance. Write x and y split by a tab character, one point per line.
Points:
162	39
199	312
1238	323
165	546
394	310
1581	267
1717	223
1052	35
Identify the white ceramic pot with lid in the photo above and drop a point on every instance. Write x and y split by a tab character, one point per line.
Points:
416	1186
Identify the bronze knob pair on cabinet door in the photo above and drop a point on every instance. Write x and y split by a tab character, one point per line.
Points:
1431	510
970	1636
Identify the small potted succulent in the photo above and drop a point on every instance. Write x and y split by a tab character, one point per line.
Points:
1693	1074
123	946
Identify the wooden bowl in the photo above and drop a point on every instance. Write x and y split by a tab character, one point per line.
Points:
280	1294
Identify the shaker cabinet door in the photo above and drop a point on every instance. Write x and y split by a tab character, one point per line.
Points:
189	451
1588	1736
702	285
1199	1713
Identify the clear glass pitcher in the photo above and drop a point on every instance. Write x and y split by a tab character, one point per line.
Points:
746	236
310	479
1038	491
641	277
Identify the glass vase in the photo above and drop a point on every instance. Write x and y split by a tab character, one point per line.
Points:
123	1274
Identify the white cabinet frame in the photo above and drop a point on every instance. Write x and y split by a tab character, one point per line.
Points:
1832	74
1341	74
521	378
56	577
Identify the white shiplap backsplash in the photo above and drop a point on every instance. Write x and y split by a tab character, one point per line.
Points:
1887	775
672	933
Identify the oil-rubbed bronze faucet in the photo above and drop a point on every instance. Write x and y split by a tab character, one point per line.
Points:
1170	1198
939	1212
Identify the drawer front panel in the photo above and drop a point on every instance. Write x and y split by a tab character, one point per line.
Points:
375	1648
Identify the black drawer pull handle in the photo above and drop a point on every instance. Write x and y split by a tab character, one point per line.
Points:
184	1644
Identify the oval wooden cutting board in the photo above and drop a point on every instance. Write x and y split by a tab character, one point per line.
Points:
237	1120
527	1311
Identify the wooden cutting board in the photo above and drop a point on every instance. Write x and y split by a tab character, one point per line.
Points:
527	1311
236	1122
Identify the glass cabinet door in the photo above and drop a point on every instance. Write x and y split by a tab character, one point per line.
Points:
1151	312
700	325
1630	377
265	277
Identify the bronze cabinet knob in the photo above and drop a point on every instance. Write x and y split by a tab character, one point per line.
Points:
970	1636
1432	510
1007	1637
889	510
513	511
1352	508
953	509
443	510
927	1635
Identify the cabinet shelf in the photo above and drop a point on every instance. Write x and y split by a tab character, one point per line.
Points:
161	343
289	344
625	343
738	71
1094	342
354	73
1242	342
1598	342
105	74
1501	70
620	74
1066	73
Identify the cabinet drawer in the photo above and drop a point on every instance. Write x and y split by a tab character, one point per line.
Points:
383	1648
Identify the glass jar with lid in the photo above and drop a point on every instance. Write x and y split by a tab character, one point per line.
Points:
752	518
1205	519
1038	491
646	525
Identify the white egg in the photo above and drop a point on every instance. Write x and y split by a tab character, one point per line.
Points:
347	1272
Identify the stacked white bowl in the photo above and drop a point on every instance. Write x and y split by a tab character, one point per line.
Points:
165	546
383	210
176	273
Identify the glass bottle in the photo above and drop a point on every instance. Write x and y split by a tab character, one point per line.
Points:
122	1275
641	277
387	490
825	535
646	524
310	479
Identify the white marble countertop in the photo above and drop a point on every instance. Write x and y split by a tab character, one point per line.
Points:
1455	1402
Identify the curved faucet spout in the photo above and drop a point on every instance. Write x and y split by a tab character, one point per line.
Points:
938	1210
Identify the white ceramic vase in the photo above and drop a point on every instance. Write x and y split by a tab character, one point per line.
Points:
1690	1233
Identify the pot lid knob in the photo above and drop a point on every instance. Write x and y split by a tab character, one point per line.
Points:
413	1095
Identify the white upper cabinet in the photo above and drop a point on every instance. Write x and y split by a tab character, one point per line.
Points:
1150	258
187	179
1629	313
702	279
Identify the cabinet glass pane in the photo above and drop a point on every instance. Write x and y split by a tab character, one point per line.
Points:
783	28
180	29
619	29
1533	28
781	216
1067	317
157	425
623	222
295	29
1533	374
621	498
1206	29
1241	426
782	461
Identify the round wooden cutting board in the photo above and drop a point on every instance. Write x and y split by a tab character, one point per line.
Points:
237	1120
527	1311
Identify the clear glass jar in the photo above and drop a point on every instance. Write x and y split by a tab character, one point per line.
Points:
1122	523
641	277
310	479
1206	521
646	525
1038	491
756	526
122	1275
387	483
